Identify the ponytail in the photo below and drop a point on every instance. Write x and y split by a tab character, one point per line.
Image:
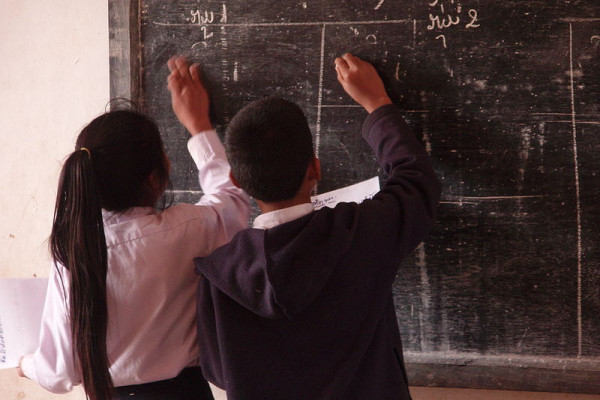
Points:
78	243
117	152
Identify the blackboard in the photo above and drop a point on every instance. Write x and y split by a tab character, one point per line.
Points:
505	293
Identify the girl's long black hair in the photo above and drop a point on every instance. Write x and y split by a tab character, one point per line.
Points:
115	155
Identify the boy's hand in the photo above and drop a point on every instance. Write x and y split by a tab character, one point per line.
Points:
360	80
188	96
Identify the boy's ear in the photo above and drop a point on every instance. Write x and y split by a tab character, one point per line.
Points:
233	180
314	170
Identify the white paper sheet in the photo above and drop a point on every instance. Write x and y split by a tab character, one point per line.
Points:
21	305
354	193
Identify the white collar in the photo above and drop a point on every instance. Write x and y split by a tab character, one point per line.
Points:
278	217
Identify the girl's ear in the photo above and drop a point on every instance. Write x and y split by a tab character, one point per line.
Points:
167	163
154	182
154	188
233	180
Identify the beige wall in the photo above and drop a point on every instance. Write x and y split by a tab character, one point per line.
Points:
53	79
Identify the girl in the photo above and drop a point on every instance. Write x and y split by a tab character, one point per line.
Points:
119	315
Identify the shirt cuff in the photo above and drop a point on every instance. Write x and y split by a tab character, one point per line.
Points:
27	367
204	146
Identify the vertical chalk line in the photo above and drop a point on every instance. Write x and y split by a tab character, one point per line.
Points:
414	35
320	95
578	199
424	333
225	66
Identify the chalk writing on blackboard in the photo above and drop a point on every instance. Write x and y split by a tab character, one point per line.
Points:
203	17
443	16
379	4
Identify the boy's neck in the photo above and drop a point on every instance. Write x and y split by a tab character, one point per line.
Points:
312	176
279	205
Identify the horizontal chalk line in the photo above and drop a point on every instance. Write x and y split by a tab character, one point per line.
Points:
579	19
476	199
321	23
194	192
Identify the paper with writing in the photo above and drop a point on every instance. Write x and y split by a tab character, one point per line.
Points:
354	193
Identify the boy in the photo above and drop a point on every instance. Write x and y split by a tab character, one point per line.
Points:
300	306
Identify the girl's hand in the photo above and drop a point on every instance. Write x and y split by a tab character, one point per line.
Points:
19	370
189	98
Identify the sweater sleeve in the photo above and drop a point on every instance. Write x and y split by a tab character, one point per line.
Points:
412	188
52	364
364	242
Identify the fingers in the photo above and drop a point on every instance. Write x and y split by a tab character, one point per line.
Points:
341	66
344	65
174	78
19	369
178	65
347	64
183	67
182	73
171	63
196	73
360	80
351	60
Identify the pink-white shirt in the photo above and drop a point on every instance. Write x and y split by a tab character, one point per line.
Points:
151	283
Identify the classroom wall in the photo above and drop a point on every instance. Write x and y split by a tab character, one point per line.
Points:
54	77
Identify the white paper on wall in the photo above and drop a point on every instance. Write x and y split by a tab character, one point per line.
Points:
21	306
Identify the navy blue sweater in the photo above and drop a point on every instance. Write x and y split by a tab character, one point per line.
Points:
305	310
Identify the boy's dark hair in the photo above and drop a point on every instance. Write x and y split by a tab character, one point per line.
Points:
269	147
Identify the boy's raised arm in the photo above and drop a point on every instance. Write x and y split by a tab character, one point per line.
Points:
361	81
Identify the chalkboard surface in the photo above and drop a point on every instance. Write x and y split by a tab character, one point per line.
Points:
505	293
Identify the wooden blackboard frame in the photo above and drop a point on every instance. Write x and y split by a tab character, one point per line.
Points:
124	50
498	372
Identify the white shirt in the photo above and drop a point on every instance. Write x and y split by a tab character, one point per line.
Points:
267	221
151	282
